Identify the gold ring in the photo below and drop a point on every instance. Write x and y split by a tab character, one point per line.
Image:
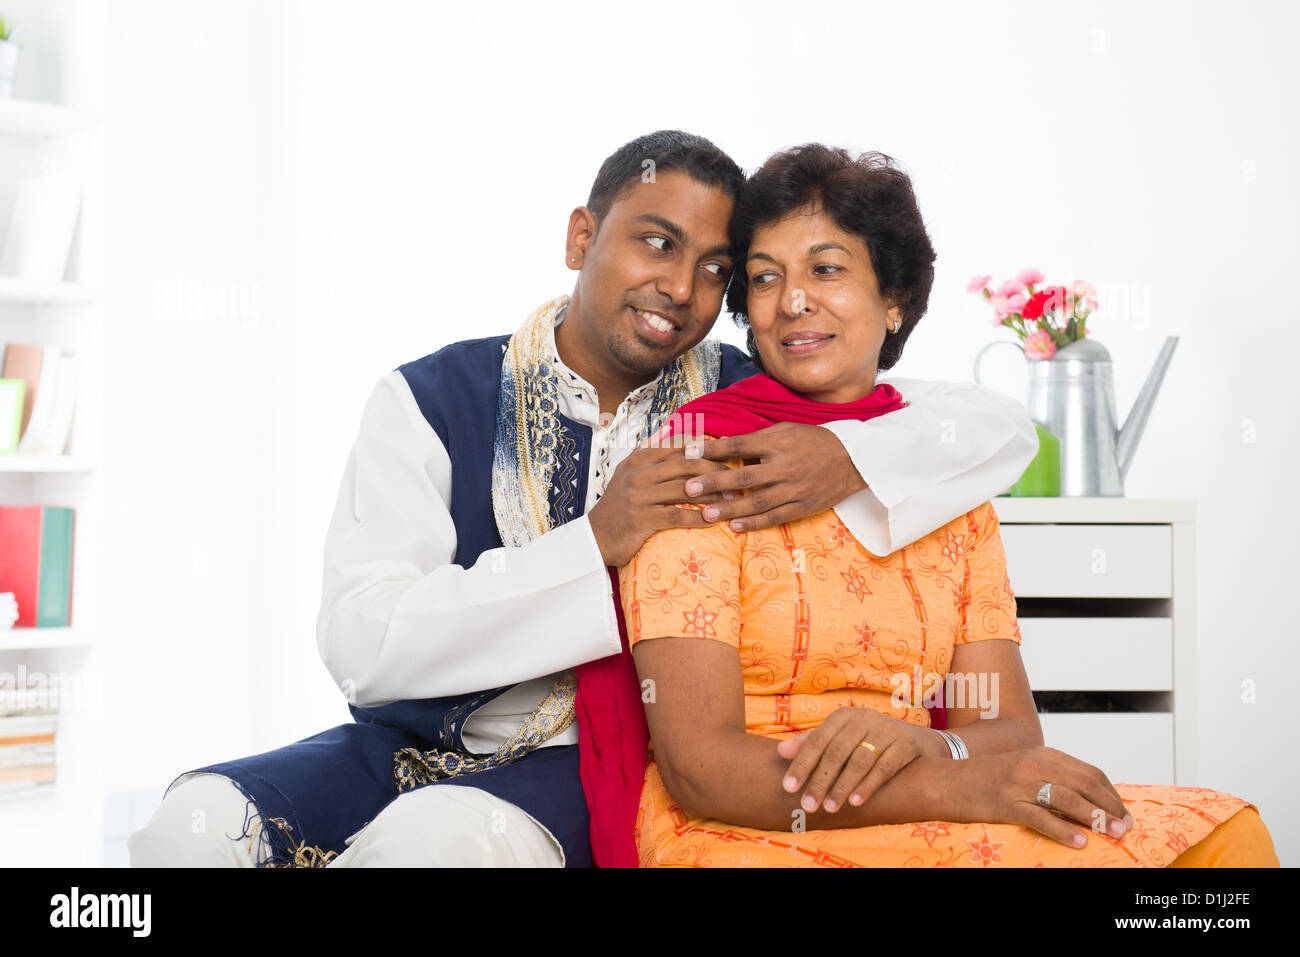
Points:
869	746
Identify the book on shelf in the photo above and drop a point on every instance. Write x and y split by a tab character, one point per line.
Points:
28	725
49	397
36	547
26	695
43	222
11	413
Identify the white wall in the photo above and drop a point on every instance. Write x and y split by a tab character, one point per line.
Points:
304	196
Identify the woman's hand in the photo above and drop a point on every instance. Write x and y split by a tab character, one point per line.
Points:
837	766
1003	788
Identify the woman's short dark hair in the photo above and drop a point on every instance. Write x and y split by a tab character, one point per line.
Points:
869	197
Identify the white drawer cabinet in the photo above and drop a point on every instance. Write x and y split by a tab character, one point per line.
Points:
1131	747
1105	589
1089	561
1098	654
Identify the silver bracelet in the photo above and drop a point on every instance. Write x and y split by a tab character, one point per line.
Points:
955	744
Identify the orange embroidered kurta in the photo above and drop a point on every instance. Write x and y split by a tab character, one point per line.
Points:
821	623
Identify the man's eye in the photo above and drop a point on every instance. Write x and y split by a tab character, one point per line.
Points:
716	268
658	239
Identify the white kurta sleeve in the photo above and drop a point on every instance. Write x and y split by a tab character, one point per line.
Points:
399	619
954	446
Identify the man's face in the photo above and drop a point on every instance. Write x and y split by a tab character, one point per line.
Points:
653	276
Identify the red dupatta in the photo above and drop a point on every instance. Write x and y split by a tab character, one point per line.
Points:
613	739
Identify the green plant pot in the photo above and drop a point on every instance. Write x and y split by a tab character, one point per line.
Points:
1042	478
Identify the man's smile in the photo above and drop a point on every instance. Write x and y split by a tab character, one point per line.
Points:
656	326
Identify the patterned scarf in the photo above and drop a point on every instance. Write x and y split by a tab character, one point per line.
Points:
528	434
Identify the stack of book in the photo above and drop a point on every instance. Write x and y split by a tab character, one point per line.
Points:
28	719
38	394
36	547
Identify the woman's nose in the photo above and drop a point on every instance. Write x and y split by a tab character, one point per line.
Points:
798	303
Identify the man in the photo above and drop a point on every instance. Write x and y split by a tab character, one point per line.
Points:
492	485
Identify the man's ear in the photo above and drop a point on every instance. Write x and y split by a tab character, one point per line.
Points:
582	233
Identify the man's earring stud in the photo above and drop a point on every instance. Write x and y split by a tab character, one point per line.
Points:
572	260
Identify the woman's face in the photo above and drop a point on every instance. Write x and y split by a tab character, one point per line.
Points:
810	280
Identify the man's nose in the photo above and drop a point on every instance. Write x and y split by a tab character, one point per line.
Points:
678	283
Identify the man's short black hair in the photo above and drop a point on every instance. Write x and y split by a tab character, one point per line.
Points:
693	155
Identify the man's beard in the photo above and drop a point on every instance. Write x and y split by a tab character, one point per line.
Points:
635	356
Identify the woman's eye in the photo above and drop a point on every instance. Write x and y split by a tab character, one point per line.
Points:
826	266
761	279
658	239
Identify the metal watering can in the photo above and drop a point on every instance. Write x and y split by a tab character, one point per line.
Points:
1072	395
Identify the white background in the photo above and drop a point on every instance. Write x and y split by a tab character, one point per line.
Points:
303	196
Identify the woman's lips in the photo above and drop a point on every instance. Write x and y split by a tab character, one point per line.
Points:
799	347
653	332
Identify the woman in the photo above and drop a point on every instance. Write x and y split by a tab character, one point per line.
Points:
785	671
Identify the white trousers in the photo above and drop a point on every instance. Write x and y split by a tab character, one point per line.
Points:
201	817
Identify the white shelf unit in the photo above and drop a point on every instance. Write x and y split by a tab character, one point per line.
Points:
31	292
60	824
30	120
1106	594
30	639
46	463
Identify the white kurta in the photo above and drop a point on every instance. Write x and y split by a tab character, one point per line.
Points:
399	619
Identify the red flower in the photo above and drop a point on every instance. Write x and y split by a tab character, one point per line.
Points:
1033	307
1047	300
1058	299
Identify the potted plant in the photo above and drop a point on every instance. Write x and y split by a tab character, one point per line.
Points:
8	58
1071	396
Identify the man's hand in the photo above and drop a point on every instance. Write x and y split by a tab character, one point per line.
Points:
802	469
640	497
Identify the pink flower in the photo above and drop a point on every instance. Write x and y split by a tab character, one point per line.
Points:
1039	345
1005	307
1030	277
978	283
1011	287
1083	288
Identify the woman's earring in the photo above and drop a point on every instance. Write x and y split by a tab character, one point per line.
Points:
572	260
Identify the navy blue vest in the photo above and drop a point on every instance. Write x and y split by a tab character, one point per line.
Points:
322	789
456	389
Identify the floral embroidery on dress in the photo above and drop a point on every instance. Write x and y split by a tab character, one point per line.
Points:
985	851
855	583
699	623
839	533
695	568
1177	842
954	548
866	637
930	830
